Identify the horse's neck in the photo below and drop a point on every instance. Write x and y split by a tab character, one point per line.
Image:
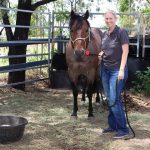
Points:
91	45
95	40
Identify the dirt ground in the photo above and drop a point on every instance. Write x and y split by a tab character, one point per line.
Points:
50	126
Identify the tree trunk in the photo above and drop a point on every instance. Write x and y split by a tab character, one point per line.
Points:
23	18
17	76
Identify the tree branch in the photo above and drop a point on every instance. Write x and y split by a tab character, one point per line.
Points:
39	3
148	1
1	31
8	30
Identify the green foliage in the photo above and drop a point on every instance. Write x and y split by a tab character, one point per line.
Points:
146	20
127	21
146	10
132	6
39	20
5	3
142	85
124	5
3	62
62	15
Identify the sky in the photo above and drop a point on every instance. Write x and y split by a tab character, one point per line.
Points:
98	20
95	22
104	5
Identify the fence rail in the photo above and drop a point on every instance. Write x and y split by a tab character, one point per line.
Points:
51	39
34	41
137	28
145	44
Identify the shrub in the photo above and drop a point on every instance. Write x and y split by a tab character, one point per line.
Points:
142	84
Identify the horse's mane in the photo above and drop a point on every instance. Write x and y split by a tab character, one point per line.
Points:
79	20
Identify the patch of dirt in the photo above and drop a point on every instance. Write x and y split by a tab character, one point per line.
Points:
51	127
138	102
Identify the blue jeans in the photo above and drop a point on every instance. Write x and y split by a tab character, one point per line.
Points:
116	117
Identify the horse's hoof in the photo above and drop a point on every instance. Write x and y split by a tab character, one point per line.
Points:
74	117
90	115
82	99
74	114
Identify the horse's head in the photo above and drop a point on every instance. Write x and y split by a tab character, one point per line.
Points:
79	33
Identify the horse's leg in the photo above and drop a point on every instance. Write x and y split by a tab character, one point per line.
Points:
75	103
83	93
89	94
82	81
97	93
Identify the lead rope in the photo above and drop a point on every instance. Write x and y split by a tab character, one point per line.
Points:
125	107
126	113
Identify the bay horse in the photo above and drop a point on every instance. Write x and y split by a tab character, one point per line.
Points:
82	57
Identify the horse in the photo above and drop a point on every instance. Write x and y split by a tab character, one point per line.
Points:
82	52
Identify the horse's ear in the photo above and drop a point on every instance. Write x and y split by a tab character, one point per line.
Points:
72	14
86	15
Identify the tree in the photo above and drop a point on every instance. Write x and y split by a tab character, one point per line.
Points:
23	18
82	5
130	6
63	8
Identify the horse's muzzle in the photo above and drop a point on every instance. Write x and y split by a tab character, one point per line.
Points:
79	54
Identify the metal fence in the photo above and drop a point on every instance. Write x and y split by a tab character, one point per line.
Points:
146	34
135	31
44	56
54	42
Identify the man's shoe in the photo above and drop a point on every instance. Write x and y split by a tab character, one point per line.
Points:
121	136
107	130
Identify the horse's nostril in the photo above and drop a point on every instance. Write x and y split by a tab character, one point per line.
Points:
76	53
79	53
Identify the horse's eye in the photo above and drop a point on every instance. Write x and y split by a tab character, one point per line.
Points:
71	30
87	30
